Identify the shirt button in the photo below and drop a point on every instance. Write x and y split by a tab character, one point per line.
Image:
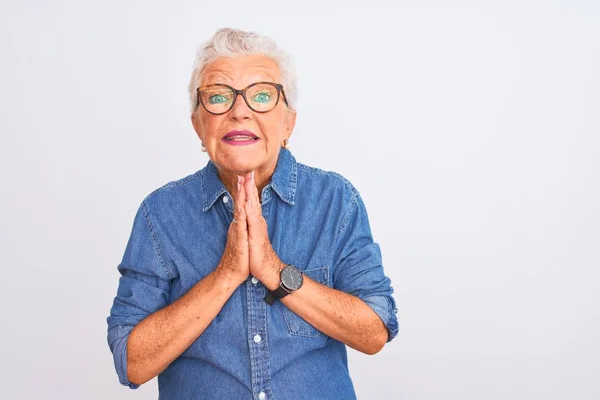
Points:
254	280
262	396
257	339
225	199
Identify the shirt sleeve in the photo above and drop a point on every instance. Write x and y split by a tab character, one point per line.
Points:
358	269
143	288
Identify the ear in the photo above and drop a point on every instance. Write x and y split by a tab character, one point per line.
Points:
290	123
197	124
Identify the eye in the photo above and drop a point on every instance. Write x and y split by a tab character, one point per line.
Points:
217	99
261	97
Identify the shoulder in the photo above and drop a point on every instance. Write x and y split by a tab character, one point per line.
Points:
326	182
178	191
331	190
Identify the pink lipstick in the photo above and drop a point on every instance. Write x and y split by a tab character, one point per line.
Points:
240	138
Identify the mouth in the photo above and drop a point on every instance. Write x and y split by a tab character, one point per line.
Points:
238	138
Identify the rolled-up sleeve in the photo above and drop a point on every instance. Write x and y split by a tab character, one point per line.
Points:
358	269
143	288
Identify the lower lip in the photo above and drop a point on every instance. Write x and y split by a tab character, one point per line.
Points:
240	142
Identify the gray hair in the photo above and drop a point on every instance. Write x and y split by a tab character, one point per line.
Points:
227	42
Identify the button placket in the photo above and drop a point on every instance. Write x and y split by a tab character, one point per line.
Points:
257	331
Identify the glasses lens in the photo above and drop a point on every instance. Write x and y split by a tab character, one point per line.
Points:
216	98
262	97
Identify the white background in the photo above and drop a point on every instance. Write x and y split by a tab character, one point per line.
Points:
470	129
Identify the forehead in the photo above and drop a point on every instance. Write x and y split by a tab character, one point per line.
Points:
241	71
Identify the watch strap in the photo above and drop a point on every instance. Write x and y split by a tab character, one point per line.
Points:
278	293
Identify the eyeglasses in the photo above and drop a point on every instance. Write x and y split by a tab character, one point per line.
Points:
260	97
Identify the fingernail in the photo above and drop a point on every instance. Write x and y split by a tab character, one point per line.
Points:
238	186
252	176
239	178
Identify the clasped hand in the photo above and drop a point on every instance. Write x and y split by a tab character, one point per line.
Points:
248	249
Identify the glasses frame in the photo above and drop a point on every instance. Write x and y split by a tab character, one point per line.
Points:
241	92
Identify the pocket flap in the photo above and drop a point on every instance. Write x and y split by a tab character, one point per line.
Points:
320	274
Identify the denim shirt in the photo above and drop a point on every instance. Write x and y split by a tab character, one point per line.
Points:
251	350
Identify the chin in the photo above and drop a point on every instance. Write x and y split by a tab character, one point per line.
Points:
241	164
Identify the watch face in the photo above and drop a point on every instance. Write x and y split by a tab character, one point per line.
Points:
291	277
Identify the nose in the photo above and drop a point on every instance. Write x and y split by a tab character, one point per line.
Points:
240	110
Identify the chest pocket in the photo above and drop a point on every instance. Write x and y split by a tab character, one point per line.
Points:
295	324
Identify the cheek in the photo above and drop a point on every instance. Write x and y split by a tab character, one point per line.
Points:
273	127
211	128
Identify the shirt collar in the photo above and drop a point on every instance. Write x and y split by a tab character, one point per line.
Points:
283	181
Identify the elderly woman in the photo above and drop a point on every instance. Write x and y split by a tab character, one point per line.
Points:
248	278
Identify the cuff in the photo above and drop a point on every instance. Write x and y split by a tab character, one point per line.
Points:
117	341
385	308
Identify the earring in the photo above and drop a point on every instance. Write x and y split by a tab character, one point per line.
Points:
286	144
203	147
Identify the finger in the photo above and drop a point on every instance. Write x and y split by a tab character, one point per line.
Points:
253	208
256	222
250	204
239	212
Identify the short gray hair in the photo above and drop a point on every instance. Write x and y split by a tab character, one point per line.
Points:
227	42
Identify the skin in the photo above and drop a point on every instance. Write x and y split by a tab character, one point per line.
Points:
271	127
161	337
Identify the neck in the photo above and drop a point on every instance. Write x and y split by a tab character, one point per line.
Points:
262	177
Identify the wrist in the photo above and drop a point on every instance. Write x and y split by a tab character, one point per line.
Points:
229	275
272	279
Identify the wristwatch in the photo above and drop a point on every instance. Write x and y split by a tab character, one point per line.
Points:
291	280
